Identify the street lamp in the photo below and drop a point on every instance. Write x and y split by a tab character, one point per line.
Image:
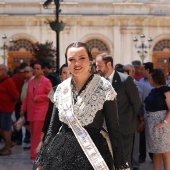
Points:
5	47
57	11
142	48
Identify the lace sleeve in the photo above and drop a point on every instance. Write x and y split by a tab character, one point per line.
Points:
111	117
54	127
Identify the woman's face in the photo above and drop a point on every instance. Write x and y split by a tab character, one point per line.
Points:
65	73
38	70
78	61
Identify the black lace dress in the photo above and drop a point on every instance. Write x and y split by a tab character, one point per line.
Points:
61	150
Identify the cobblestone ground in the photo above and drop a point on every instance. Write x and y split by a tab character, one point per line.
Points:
19	160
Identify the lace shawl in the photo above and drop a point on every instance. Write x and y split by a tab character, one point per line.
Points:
88	102
51	95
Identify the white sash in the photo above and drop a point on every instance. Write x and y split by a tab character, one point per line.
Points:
81	134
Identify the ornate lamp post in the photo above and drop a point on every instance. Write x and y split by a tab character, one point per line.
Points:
5	47
57	27
142	48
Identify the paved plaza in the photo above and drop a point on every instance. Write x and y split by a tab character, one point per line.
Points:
19	160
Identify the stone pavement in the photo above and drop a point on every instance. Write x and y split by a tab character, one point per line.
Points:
19	160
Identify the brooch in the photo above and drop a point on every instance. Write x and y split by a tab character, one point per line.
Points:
65	91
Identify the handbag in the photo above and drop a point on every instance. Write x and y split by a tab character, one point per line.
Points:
21	121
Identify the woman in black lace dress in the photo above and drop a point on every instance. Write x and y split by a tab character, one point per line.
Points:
93	100
157	118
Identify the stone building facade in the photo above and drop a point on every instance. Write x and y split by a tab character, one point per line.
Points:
106	26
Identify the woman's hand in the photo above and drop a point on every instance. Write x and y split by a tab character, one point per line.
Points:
42	136
141	127
39	167
161	125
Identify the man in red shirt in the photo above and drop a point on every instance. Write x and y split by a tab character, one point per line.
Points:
9	96
137	65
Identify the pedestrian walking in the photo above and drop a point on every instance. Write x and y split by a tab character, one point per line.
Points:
9	96
82	102
36	104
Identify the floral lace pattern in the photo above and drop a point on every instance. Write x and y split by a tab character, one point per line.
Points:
157	140
88	102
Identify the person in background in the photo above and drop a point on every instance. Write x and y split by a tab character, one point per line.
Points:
28	71
93	100
157	120
19	82
53	77
119	67
142	89
128	100
9	96
168	79
93	68
137	65
10	73
64	74
36	104
146	68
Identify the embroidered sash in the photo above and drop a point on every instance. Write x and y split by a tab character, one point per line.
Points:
81	134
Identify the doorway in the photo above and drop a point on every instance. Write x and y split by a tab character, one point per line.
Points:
161	55
162	60
16	58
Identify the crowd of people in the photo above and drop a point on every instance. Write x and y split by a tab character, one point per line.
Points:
94	115
25	93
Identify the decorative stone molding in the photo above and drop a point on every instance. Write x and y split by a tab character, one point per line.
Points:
24	36
100	37
159	39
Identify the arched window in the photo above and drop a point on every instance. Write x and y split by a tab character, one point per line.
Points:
162	45
97	44
20	44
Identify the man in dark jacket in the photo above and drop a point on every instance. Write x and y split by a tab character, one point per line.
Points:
128	100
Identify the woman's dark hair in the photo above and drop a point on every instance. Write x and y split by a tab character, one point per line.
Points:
119	67
61	68
47	64
77	45
39	63
148	65
158	77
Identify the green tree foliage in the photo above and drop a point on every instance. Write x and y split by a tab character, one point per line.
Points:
43	52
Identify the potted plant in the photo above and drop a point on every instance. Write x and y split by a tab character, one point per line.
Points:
56	25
